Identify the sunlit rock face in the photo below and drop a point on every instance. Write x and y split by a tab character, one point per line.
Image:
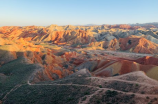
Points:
63	50
138	45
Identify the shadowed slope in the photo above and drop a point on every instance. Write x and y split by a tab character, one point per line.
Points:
128	88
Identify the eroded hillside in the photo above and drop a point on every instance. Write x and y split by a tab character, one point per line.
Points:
34	57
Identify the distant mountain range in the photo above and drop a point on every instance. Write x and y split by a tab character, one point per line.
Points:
136	24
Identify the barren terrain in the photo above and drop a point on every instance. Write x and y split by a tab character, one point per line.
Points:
107	64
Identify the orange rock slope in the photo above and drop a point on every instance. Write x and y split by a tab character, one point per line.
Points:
109	68
38	34
138	45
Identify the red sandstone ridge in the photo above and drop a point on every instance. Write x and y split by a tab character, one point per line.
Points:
147	60
38	34
123	67
124	26
72	37
138	45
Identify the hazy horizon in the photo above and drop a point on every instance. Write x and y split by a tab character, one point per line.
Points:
81	25
71	12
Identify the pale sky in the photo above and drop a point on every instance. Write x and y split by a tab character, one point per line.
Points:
77	12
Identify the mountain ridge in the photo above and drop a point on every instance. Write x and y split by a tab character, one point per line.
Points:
78	64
